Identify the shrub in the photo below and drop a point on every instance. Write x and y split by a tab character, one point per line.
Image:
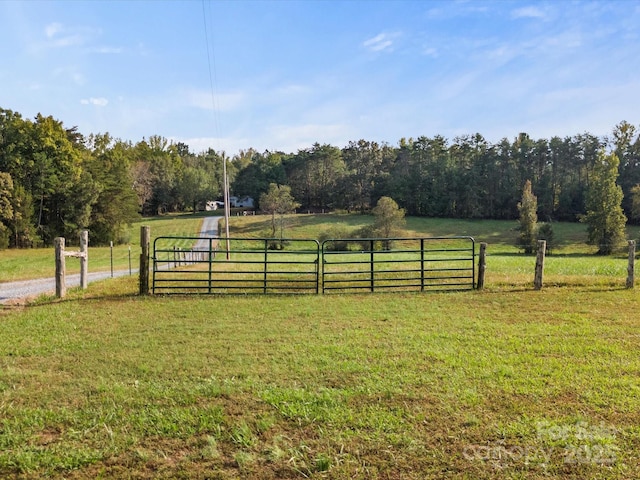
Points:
340	232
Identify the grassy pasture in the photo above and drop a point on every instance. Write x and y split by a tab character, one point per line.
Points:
572	260
502	383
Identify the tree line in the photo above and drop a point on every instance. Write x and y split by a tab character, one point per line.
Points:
466	178
55	181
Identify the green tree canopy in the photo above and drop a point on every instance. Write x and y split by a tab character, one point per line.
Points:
278	201
6	208
605	218
116	203
389	219
528	208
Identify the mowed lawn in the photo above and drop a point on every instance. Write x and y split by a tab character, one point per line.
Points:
507	382
504	383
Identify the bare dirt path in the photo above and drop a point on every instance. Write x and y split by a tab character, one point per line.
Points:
13	292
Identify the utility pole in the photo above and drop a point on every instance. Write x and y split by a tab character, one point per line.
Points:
226	200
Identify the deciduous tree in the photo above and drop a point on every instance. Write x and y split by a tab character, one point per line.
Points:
116	205
277	201
389	219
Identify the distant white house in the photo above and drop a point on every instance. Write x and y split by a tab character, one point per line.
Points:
213	205
241	202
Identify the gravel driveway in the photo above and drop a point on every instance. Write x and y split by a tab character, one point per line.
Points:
12	292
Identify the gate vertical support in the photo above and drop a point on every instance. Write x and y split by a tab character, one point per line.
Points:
482	265
631	265
317	268
145	239
321	259
542	247
61	288
422	264
84	259
210	263
264	279
371	263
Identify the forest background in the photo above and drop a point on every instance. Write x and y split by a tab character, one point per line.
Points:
56	181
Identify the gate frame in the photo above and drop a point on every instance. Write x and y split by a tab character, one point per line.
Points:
422	261
264	262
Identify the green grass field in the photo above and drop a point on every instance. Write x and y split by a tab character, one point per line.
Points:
39	262
507	382
572	259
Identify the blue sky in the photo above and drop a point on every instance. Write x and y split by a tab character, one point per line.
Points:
284	75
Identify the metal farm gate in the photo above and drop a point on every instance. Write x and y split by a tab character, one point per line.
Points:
263	265
259	265
375	265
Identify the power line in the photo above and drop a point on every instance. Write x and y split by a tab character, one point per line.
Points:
211	62
212	84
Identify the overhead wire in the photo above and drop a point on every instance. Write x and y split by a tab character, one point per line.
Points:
213	81
211	63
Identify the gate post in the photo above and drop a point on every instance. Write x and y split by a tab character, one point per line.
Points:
84	259
631	266
482	265
542	247
145	239
61	288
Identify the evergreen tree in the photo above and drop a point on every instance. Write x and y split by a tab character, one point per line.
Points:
545	232
528	208
605	218
635	203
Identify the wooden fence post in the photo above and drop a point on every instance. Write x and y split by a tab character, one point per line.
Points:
145	239
482	265
61	264
111	256
631	267
542	247
84	259
61	288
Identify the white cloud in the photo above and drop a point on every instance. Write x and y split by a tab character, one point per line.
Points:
107	50
52	29
528	12
569	39
293	90
97	101
381	42
230	145
292	138
430	52
282	137
59	36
